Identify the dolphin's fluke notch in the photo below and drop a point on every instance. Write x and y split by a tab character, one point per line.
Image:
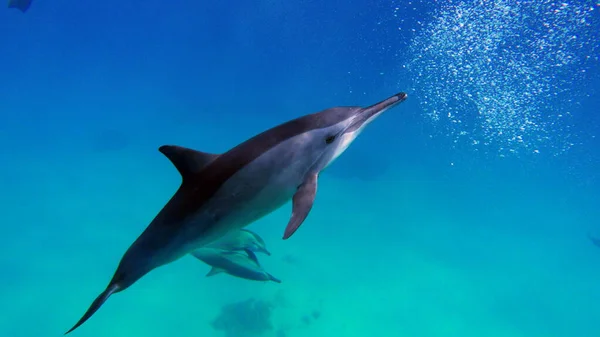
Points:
301	204
98	302
22	5
187	161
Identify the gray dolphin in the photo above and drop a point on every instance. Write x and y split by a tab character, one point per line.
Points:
239	263
595	241
240	240
22	5
224	192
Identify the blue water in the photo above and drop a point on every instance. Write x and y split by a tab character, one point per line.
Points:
463	212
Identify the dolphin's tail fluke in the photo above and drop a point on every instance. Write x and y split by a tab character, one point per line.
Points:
273	278
111	289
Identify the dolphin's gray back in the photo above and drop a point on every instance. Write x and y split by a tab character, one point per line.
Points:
197	189
246	183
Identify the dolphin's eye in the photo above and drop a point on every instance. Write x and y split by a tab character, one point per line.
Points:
329	139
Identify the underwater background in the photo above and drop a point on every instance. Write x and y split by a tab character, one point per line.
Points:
464	212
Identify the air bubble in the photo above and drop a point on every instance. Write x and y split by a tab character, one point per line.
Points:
506	68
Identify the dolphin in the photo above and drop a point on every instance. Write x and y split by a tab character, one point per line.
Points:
242	264
595	241
22	5
224	192
240	240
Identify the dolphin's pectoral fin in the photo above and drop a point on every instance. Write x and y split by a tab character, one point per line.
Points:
252	256
214	271
187	161
301	204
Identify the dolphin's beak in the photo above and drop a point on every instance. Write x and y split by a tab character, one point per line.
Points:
385	104
266	252
368	114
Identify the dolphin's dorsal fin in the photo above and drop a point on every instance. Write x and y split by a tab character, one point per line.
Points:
214	271
252	256
187	161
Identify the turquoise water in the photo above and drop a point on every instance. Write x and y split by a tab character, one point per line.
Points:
462	212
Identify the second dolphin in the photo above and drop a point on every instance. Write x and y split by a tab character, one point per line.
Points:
243	264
